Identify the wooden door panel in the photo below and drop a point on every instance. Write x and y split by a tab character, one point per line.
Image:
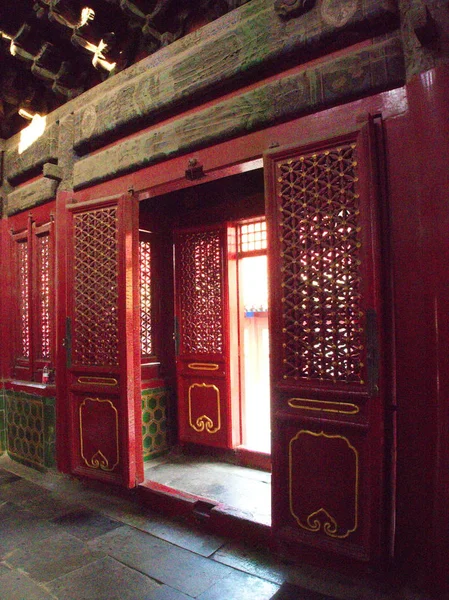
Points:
203	415
327	394
203	336
324	486
102	340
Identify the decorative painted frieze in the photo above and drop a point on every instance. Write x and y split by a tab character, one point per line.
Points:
239	49
372	69
30	195
22	165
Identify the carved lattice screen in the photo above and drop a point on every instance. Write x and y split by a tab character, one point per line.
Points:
200	292
43	285
96	287
24	292
145	298
322	333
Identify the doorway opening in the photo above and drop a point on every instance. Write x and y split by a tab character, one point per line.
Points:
206	413
254	339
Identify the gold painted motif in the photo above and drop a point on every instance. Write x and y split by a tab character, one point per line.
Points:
345	408
87	379
203	366
204	422
98	459
321	519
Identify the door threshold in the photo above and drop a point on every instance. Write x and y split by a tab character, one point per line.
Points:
209	491
213	516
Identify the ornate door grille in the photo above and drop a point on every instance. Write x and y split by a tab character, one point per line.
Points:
319	226
200	292
327	388
96	287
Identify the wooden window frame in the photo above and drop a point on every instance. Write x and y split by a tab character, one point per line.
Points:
29	368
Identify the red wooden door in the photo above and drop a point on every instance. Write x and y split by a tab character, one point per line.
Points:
102	340
327	386
204	272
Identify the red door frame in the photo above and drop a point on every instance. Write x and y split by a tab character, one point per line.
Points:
318	416
96	392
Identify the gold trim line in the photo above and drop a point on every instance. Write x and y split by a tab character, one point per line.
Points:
344	408
204	422
98	460
313	521
87	379
203	366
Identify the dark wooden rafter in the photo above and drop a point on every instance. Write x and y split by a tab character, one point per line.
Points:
53	50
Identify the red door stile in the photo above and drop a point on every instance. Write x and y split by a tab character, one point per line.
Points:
103	341
203	269
328	391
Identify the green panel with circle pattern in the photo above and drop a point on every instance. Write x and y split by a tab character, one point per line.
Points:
154	422
30	429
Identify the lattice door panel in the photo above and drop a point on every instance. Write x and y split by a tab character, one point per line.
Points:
200	291
102	340
95	327
320	250
23	297
327	403
203	371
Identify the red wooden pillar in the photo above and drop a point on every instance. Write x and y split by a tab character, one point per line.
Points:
419	182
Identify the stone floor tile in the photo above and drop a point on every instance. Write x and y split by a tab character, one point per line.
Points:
104	579
7	477
7	510
85	524
332	583
20	528
240	586
45	560
4	568
47	505
253	561
288	591
338	585
178	533
167	593
20	491
176	567
17	586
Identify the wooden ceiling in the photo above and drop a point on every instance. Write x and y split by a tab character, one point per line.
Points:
53	50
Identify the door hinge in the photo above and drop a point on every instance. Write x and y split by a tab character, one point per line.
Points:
176	335
372	352
67	342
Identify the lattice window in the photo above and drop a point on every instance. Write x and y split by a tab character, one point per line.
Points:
320	254
96	288
24	294
32	247
146	333
43	284
252	236
201	292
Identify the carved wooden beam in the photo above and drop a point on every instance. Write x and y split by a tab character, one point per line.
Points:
375	68
20	166
424	26
30	195
238	48
292	8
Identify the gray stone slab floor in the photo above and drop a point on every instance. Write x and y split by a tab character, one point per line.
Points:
62	539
